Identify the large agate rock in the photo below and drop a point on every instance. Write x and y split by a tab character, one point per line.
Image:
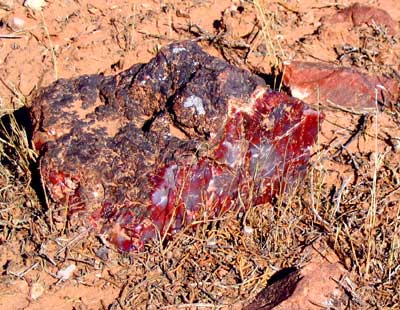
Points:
161	145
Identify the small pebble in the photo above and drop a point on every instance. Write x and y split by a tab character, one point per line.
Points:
16	23
66	273
395	144
248	230
37	290
36	5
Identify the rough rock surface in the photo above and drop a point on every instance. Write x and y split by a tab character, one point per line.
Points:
280	286
333	85
317	285
359	14
160	145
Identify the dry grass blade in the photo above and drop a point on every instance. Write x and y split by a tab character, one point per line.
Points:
372	210
351	210
272	44
15	138
9	36
20	99
51	46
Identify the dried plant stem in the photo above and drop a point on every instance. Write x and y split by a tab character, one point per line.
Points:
371	217
52	52
266	33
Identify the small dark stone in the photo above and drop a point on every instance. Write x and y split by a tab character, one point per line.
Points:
279	288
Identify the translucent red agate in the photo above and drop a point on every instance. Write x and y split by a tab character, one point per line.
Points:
263	149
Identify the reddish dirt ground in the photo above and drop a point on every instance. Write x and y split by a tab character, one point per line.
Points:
71	38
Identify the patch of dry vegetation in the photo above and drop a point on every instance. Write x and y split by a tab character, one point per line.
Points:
359	214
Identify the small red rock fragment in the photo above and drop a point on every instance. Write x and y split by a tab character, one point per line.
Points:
314	287
359	14
332	85
318	287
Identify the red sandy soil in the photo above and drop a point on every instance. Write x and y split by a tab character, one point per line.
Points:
70	38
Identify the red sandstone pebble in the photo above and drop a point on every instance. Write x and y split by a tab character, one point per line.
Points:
359	14
333	85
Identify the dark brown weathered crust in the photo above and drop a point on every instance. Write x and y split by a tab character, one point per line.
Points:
280	287
113	131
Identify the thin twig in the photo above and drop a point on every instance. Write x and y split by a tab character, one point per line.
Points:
25	271
9	36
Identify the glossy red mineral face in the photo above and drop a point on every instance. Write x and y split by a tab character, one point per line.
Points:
161	145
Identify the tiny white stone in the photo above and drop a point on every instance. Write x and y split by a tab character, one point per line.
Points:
16	23
248	230
66	273
196	102
177	50
36	5
211	243
37	290
298	93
